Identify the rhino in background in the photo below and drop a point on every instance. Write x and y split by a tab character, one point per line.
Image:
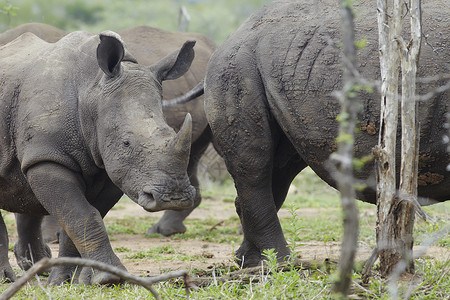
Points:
268	100
43	31
81	124
148	45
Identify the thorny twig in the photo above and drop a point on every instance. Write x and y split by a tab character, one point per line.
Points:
47	263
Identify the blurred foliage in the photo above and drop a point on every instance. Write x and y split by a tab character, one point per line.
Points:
214	18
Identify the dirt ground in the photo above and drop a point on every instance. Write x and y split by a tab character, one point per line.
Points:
215	254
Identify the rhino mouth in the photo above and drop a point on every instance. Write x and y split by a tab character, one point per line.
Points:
152	200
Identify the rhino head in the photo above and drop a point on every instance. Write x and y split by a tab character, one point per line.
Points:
131	140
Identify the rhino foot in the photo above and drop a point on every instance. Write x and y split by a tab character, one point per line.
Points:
247	255
6	273
25	258
62	274
91	276
166	229
72	274
85	275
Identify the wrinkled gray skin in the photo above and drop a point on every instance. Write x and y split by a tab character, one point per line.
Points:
148	45
269	104
81	124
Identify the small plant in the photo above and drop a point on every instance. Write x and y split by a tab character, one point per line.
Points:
166	249
272	262
122	249
8	9
294	229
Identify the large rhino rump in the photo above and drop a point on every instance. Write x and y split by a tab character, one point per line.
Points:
293	49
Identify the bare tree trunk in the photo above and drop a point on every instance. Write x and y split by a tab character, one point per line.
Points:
410	131
183	19
349	108
385	151
396	213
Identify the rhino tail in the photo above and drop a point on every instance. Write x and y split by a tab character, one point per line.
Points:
197	91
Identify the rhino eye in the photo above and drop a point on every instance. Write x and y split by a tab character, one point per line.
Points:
126	143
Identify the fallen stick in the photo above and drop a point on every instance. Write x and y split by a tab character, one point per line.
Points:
247	274
46	263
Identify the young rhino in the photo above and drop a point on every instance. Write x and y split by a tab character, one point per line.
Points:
81	124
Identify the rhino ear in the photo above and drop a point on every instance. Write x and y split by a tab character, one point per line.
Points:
110	53
175	64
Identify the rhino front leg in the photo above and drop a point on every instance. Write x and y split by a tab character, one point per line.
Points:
106	199
6	272
30	246
62	193
62	274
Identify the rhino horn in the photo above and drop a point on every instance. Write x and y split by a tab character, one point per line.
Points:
181	144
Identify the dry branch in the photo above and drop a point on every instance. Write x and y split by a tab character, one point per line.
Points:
216	225
252	274
47	263
348	116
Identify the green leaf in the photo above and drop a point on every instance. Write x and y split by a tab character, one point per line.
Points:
361	44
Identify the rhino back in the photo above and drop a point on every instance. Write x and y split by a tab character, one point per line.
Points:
39	88
291	49
46	32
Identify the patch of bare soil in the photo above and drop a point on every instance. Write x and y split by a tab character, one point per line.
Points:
209	254
215	254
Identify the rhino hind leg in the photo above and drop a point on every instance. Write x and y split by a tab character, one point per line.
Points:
172	221
287	164
6	272
248	149
30	247
50	229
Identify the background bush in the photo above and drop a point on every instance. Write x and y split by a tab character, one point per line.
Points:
214	18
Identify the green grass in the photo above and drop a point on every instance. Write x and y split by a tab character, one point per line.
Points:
128	225
430	282
207	230
78	291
